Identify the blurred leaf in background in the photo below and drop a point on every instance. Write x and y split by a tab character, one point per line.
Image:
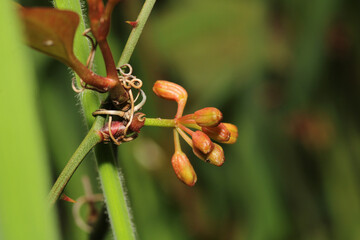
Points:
24	171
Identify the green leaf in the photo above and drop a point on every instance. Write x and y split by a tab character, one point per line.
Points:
51	31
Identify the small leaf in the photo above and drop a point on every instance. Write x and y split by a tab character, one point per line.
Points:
51	31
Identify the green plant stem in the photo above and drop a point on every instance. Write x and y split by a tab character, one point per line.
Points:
113	189
136	32
111	182
159	122
92	138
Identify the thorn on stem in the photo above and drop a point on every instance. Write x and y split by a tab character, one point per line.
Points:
132	23
66	198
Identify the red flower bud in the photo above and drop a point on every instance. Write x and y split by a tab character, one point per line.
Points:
117	129
137	122
219	133
208	117
171	91
183	168
202	142
233	133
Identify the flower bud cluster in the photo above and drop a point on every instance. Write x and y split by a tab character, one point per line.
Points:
207	126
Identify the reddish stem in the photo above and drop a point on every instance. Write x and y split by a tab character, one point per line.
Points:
89	77
117	93
187	130
108	59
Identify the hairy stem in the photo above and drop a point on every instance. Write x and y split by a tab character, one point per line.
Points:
111	182
92	138
113	190
159	122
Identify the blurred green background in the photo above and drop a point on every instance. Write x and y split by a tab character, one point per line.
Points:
285	72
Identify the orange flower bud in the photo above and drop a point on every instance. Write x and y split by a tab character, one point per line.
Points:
202	142
208	117
233	133
216	157
219	133
183	168
171	91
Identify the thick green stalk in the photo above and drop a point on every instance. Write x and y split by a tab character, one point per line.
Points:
114	189
136	32
91	139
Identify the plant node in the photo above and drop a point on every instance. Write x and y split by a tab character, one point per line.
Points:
124	112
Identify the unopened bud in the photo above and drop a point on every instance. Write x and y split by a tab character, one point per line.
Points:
202	142
233	133
183	168
171	91
219	133
117	129
208	117
137	122
216	157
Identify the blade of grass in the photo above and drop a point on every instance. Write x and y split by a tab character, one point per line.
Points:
24	171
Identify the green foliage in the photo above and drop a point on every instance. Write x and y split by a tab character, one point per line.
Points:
24	171
51	31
